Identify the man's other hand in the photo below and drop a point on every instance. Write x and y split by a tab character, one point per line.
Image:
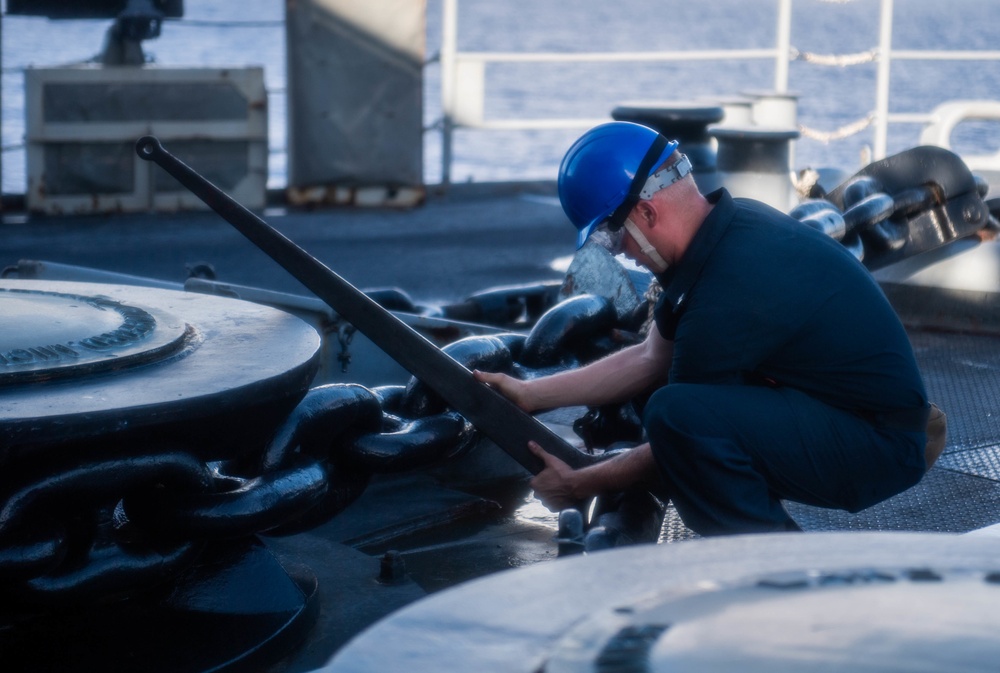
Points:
553	486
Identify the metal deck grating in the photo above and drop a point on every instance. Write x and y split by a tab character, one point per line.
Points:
962	375
984	462
944	501
962	492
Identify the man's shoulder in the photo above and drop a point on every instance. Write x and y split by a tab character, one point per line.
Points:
769	225
751	208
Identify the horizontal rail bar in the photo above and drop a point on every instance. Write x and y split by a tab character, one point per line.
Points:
614	56
910	117
532	124
944	55
700	55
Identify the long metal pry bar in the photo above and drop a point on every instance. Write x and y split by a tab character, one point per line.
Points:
498	418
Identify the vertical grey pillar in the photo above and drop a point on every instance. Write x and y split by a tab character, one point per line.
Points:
355	100
737	111
753	162
1	108
776	110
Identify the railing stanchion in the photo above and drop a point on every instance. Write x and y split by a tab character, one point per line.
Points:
881	142
783	45
449	48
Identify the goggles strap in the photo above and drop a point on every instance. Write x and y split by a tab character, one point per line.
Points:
659	264
668	176
638	182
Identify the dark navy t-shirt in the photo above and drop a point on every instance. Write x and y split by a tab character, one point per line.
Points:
759	296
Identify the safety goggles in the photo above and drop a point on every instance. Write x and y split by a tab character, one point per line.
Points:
611	240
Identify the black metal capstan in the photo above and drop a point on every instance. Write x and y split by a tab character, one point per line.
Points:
117	404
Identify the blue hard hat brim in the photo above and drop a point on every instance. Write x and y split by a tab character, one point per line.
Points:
584	234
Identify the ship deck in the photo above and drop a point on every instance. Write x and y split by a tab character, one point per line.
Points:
458	243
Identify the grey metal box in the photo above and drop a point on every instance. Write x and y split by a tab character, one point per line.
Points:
83	122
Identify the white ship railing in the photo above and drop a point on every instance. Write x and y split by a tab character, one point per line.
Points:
463	74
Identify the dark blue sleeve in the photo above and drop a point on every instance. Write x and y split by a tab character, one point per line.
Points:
665	318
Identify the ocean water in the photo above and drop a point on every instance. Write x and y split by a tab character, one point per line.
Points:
250	32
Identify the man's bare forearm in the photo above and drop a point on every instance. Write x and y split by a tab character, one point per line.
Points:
615	378
632	468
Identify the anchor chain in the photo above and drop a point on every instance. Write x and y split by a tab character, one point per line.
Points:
125	522
873	224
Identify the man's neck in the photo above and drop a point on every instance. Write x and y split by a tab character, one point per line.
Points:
688	210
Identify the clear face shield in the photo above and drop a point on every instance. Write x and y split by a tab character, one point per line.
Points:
612	241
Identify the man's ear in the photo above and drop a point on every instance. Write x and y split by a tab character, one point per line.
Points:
646	213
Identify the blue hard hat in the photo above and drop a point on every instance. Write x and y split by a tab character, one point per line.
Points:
601	171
